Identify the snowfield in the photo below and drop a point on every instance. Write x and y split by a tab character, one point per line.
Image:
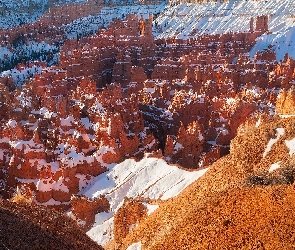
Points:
15	13
135	246
149	178
188	20
91	23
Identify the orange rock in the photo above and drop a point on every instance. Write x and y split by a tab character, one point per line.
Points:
85	209
126	217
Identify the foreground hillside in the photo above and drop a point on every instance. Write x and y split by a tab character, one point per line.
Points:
30	227
244	201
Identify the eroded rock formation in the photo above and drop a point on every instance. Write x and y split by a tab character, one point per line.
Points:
84	209
185	97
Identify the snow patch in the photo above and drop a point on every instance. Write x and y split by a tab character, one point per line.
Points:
90	24
67	121
149	178
258	123
45	185
177	146
274	166
102	233
189	20
291	145
272	141
51	202
84	180
150	208
100	218
12	123
134	246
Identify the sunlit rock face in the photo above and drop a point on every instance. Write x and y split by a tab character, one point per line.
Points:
118	117
185	97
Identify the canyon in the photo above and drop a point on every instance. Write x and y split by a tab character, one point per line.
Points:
157	130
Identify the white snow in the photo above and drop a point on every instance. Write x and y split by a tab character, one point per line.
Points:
177	146
45	112
222	130
12	123
26	146
51	202
134	246
85	121
54	166
272	141
102	233
201	137
234	16
67	121
74	158
101	217
274	166
291	145
15	12
150	207
257	124
150	178
149	90
91	23
20	75
84	180
5	53
283	42
46	185
26	180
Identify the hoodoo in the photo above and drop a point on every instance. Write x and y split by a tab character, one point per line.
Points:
149	124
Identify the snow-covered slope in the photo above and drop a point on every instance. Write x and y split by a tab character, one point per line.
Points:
20	75
149	178
15	13
283	42
31	51
191	19
90	24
